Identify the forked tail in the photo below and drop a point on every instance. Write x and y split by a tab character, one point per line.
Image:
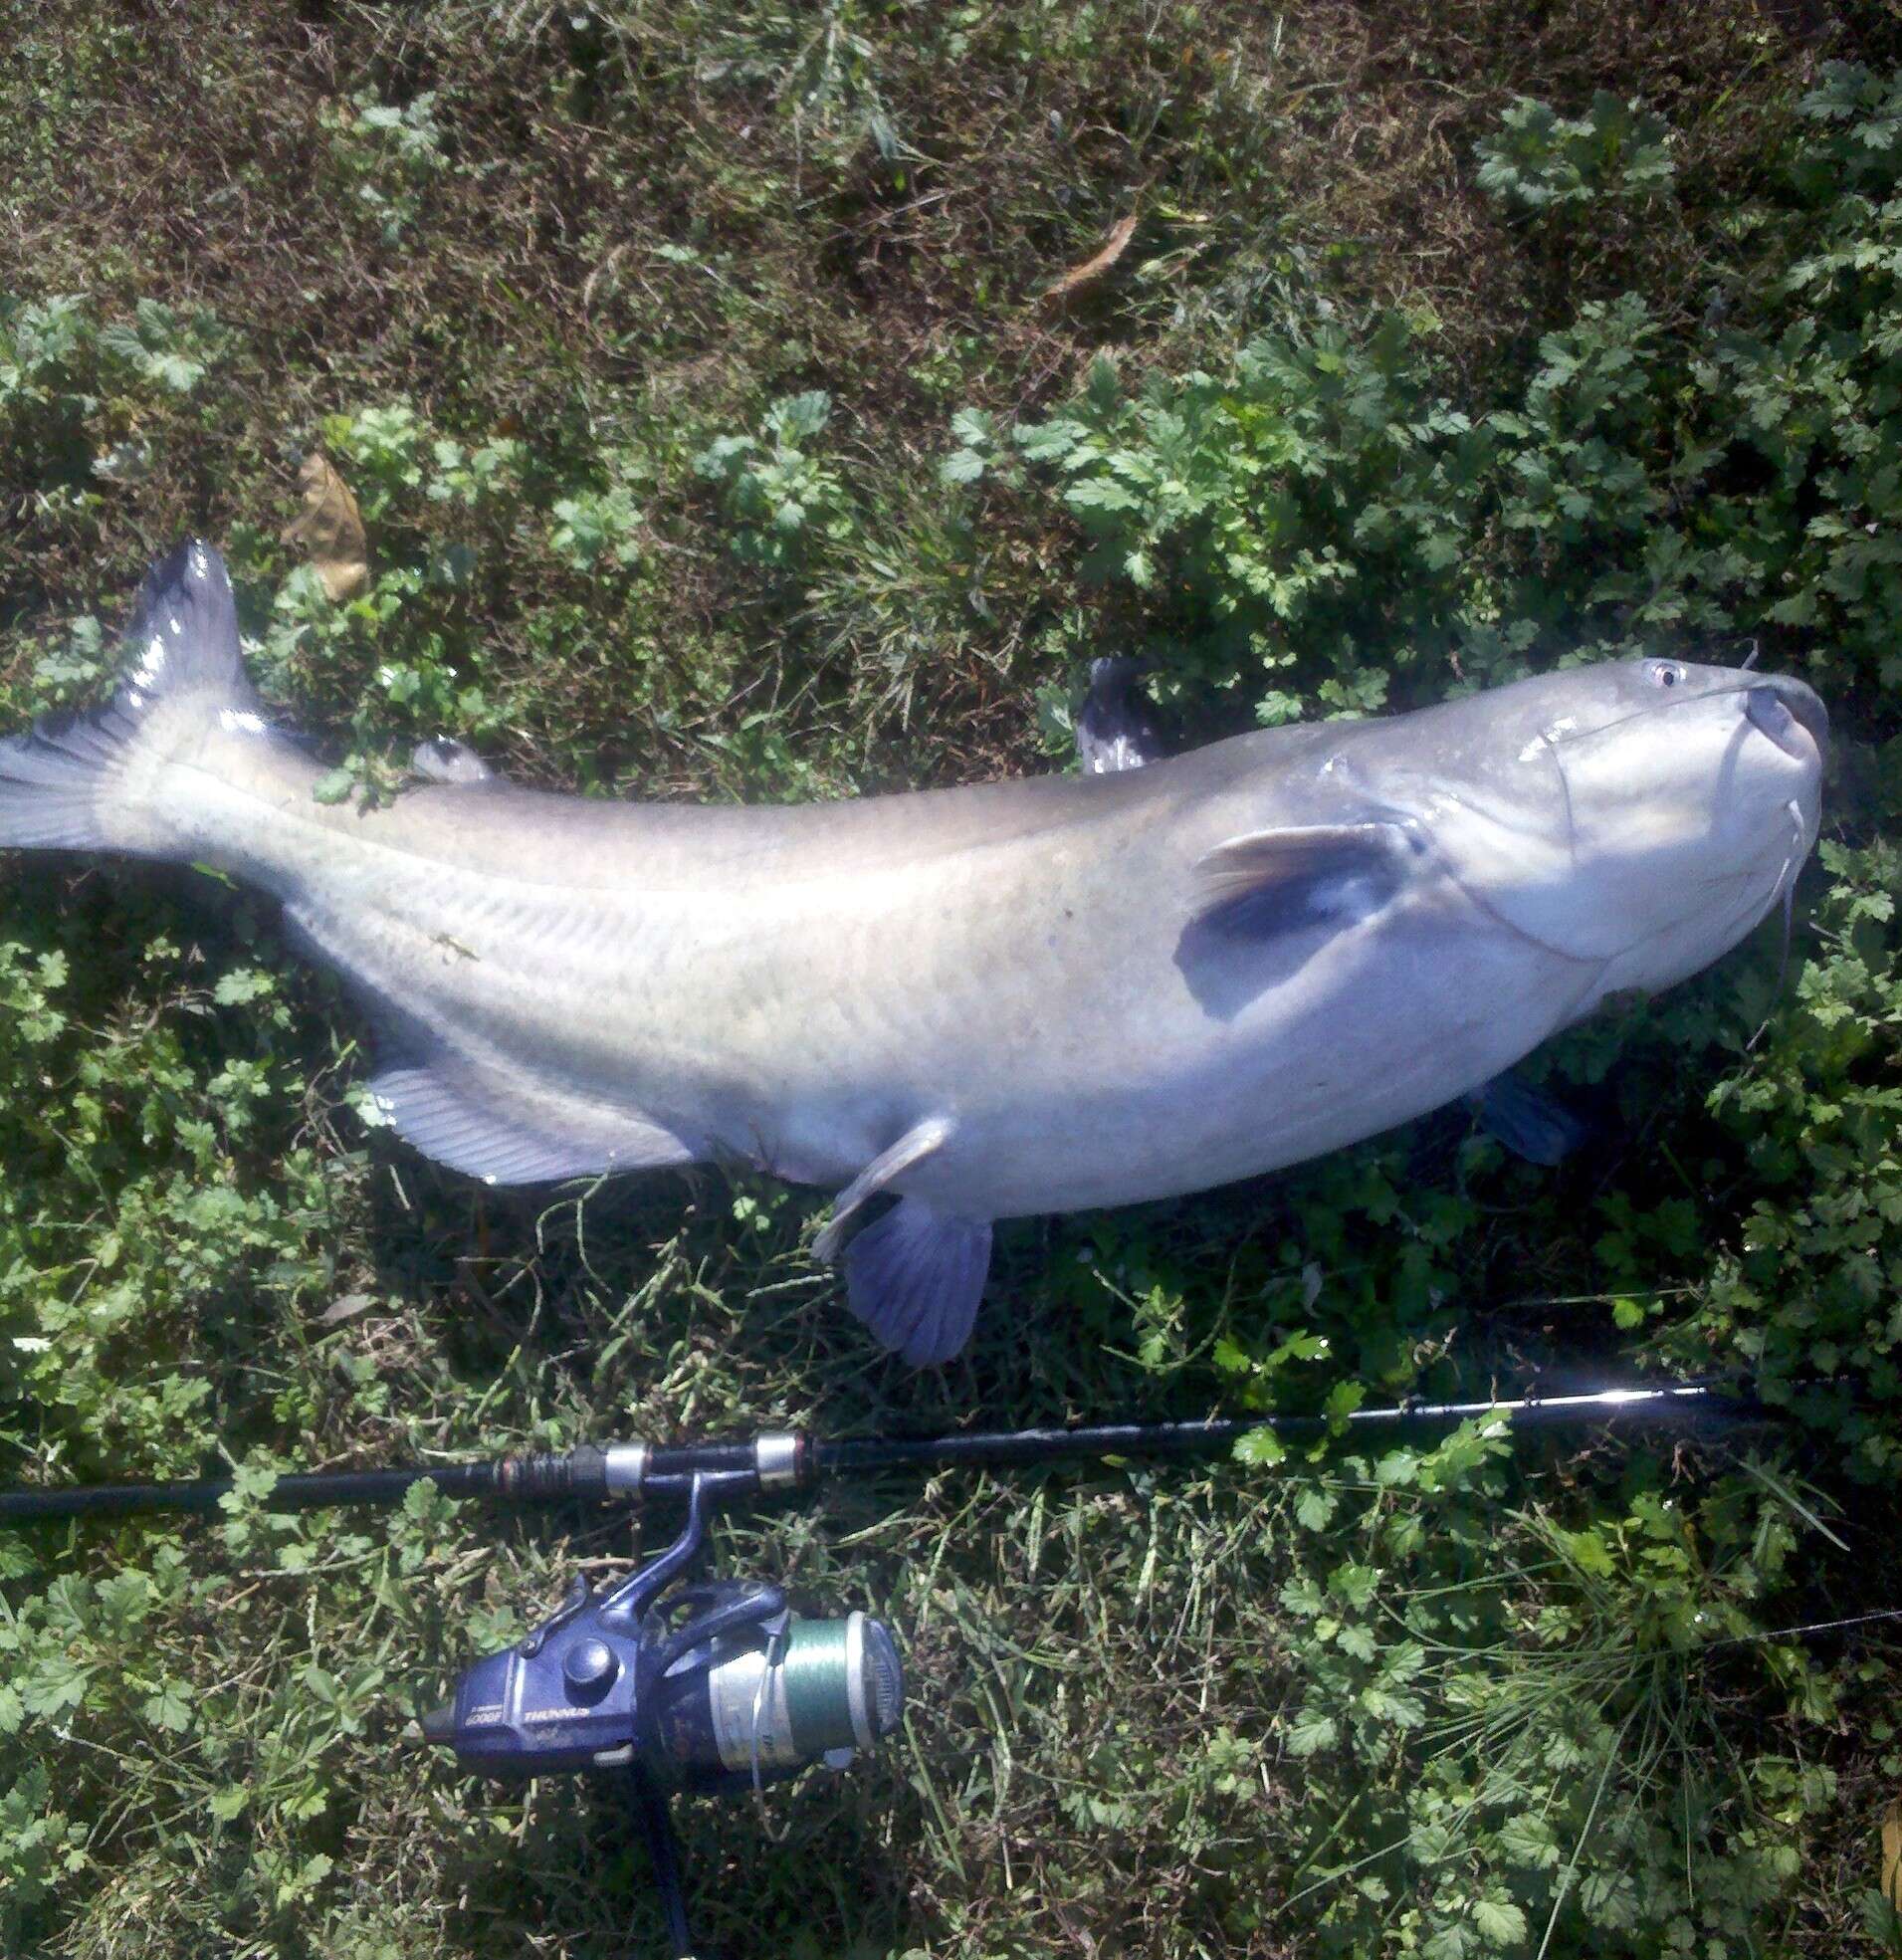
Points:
88	782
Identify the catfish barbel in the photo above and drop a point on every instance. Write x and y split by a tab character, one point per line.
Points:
1020	998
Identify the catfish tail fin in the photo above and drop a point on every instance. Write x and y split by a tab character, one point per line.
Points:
84	781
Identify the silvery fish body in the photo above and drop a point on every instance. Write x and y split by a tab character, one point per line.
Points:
1020	998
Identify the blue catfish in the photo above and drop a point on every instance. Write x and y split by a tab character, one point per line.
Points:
1012	999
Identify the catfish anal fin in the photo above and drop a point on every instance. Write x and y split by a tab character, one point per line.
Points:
473	1110
917	1144
453	1112
915	1278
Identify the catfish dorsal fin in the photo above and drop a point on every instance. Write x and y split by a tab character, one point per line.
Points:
446	761
1113	731
1267	882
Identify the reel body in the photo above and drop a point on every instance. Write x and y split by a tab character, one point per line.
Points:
713	1687
739	1692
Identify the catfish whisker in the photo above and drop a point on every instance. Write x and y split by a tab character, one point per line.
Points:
1785	889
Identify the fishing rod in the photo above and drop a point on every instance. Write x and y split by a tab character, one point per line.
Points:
635	1472
717	1688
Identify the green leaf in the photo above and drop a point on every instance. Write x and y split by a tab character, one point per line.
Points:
1354	1584
1314	1507
242	984
1342	1400
55	1684
1500	1922
1394	1706
305	1879
1311	1732
1100	493
169	1708
177	373
797	417
1261	1448
1527	1839
1588	1551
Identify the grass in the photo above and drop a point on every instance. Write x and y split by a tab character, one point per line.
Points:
1450	1702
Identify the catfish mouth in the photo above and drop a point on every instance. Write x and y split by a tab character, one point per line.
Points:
1790	715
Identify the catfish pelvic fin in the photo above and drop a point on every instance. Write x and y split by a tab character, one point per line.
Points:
1269	882
1529	1122
914	1277
917	1144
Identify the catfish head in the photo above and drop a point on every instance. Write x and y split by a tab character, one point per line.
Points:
1636	818
1644	814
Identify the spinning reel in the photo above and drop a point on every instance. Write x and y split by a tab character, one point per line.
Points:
713	1688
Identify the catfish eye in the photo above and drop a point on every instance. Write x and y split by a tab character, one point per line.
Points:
1664	673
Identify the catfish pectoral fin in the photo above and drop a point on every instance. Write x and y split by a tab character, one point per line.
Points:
917	1144
914	1277
1271	882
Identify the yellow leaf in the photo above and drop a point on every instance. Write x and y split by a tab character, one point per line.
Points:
1892	1853
331	530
